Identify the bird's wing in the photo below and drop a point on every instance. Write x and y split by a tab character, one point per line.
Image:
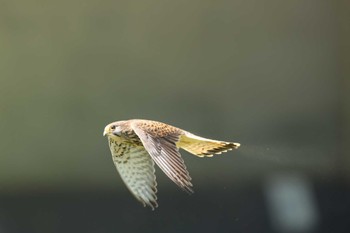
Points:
136	169
165	153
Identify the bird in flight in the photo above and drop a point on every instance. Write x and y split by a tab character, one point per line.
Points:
136	144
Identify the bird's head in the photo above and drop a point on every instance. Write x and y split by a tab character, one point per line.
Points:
112	129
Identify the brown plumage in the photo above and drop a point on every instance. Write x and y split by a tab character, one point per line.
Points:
136	144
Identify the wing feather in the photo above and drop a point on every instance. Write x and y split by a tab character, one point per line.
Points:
136	169
164	152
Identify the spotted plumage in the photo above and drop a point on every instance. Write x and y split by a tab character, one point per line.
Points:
136	144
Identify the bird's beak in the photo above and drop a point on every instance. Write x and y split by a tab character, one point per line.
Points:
105	132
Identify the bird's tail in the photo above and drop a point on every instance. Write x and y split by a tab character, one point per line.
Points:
203	147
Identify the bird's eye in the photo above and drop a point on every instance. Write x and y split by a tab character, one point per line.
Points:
113	127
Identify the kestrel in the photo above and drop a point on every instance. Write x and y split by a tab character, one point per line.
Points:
136	144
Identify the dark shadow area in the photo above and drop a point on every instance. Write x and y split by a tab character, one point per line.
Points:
208	210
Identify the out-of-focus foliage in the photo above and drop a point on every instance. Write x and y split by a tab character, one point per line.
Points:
263	73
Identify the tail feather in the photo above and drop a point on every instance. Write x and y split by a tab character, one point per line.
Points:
203	147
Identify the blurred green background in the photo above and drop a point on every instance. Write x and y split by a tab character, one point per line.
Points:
272	75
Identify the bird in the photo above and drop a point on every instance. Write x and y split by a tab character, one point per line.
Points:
137	144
